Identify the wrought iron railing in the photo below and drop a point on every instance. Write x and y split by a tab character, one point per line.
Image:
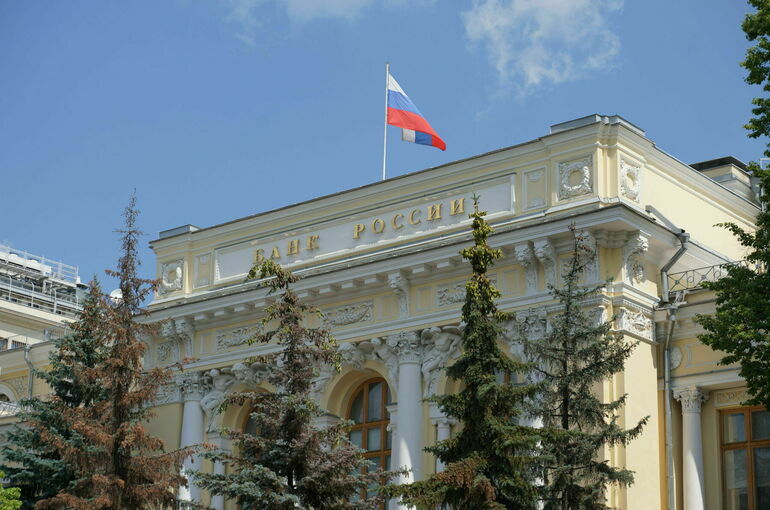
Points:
694	278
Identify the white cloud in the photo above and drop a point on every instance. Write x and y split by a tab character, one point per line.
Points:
534	43
247	15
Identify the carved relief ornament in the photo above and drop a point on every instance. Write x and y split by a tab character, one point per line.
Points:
171	276
630	174
350	314
576	177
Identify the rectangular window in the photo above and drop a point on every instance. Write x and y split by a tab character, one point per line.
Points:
745	443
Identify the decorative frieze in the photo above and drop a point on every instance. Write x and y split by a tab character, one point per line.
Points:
171	276
731	397
451	294
630	174
350	314
440	345
576	178
229	338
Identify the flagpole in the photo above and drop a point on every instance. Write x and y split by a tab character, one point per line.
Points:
385	138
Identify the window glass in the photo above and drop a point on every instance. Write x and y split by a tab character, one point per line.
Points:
356	437
733	427
736	485
375	402
373	439
760	425
357	409
762	476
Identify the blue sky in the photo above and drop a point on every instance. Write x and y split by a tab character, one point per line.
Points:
214	110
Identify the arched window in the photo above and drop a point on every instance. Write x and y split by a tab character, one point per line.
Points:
4	398
370	418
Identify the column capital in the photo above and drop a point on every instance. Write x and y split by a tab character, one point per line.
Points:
691	398
407	346
192	385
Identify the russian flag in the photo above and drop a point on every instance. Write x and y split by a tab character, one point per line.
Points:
403	113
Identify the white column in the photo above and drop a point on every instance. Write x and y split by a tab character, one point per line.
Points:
192	387
218	501
443	432
408	441
394	459
692	446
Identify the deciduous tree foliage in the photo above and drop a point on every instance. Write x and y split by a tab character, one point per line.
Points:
289	463
32	464
9	497
575	356
492	461
115	463
741	325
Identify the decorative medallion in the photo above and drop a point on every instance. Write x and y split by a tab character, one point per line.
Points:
629	179
575	178
171	276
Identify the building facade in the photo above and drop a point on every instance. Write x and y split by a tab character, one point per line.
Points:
37	297
382	262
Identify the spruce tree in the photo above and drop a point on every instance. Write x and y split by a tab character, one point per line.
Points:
32	464
741	325
575	355
492	461
290	464
116	464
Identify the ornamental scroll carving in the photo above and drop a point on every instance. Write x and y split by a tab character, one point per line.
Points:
546	253
525	256
350	314
171	276
636	246
400	286
575	178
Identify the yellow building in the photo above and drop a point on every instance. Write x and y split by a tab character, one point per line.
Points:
382	262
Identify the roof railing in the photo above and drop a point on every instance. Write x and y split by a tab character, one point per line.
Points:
694	278
45	266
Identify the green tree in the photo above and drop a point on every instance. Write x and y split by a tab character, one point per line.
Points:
573	357
741	325
33	464
288	463
492	462
116	463
9	497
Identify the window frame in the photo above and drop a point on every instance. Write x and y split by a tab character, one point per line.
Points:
749	444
